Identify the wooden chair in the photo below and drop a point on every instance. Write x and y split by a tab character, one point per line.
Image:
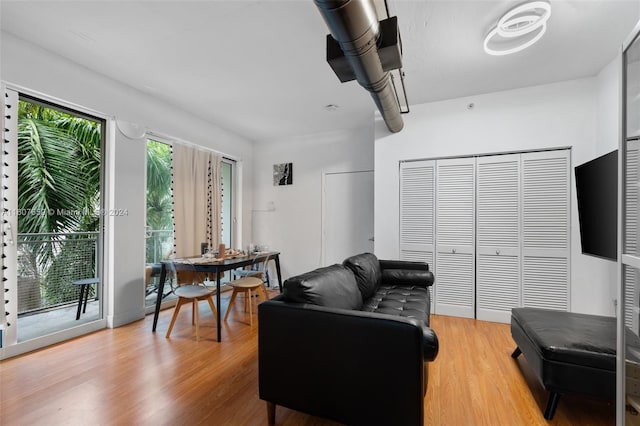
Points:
247	286
258	270
190	292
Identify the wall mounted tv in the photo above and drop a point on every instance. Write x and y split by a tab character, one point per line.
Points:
597	191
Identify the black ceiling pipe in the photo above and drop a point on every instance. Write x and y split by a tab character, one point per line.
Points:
354	26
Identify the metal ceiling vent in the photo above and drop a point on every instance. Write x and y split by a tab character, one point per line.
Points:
361	48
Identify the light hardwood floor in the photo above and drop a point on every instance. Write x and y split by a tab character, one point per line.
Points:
131	376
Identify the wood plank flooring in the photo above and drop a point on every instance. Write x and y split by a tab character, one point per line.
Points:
129	375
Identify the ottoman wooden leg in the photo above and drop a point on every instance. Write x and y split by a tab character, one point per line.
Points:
271	413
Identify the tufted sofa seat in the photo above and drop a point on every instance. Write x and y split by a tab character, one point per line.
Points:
404	301
350	342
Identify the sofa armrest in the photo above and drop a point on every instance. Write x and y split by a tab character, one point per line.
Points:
399	272
341	364
403	264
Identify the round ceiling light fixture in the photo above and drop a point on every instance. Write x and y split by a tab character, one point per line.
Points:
537	12
510	34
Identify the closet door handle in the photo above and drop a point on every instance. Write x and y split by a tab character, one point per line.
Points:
453	251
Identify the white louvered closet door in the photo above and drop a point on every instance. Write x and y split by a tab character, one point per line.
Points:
455	237
632	200
417	210
545	230
497	237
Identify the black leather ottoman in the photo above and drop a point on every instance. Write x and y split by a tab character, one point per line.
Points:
569	352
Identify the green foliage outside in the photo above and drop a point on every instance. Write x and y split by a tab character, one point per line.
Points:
59	163
159	215
159	211
59	157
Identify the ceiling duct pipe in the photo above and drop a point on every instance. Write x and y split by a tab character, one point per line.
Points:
353	51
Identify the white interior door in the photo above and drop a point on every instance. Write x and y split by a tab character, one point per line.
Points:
347	215
455	237
417	214
545	230
632	201
497	237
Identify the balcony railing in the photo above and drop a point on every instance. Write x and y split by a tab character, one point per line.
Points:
48	263
159	245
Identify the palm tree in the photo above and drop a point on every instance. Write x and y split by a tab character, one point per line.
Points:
58	171
58	191
159	212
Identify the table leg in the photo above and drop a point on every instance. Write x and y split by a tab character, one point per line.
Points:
80	302
163	276
219	306
277	260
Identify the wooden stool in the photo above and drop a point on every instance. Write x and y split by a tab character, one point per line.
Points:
246	285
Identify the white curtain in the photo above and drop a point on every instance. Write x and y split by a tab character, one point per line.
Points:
197	199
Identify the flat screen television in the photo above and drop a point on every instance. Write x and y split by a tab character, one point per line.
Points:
597	191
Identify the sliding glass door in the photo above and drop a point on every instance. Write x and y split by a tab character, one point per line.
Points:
159	226
52	221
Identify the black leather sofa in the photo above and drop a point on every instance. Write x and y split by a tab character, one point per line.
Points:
349	342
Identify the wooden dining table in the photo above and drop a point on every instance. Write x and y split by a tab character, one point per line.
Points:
214	267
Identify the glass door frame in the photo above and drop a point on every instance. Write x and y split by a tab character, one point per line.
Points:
104	287
624	259
152	136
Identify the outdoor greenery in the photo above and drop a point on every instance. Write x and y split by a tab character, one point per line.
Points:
159	216
59	164
58	171
59	158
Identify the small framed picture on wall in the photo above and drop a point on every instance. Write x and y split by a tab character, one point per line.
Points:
283	174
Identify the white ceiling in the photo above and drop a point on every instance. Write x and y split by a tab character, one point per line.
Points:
258	67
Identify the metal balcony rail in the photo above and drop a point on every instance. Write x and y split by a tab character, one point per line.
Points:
159	245
48	263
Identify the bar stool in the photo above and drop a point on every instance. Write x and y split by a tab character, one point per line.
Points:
246	285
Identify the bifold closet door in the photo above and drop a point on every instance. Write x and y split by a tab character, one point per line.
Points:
455	237
631	229
497	237
545	229
417	210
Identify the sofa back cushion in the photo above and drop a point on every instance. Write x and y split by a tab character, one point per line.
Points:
366	268
333	286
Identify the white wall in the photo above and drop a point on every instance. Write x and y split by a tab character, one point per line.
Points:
294	228
575	113
31	67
